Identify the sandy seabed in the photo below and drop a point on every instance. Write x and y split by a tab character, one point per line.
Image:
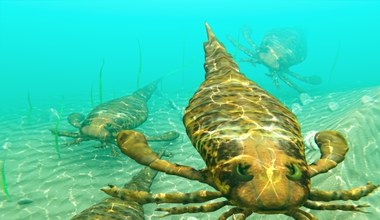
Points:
55	188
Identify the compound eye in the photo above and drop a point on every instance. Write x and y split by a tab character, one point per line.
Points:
294	172
242	172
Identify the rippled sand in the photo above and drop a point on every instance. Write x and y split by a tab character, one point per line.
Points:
60	188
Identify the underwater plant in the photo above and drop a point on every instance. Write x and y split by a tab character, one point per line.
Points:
92	95
101	83
4	184
30	108
139	70
56	140
183	62
335	61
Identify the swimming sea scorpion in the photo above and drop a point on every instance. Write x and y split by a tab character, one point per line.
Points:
252	147
107	119
117	209
279	50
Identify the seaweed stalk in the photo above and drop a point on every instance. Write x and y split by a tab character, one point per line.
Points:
183	62
4	184
56	140
57	148
30	108
101	83
92	95
139	70
336	58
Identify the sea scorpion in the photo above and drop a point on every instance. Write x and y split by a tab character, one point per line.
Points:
107	119
280	49
118	209
252	147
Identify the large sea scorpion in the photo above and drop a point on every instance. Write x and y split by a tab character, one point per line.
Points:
107	119
252	147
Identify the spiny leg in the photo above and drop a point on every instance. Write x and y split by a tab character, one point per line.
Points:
233	211
252	61
247	37
288	82
274	76
75	134
115	153
314	80
352	194
166	136
242	48
193	209
134	145
323	206
333	148
143	197
299	214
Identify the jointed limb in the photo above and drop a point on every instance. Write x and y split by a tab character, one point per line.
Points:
247	37
134	145
166	136
352	194
75	134
242	48
314	80
290	83
143	197
210	207
250	60
343	207
299	214
233	211
78	137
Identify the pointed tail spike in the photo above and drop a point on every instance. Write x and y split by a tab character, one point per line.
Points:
210	34
218	60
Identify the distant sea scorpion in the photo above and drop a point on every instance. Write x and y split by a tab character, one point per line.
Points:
118	209
252	147
279	50
107	119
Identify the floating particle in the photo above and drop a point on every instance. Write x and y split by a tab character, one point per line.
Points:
333	106
305	99
366	99
296	108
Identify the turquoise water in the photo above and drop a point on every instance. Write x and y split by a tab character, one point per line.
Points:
51	53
